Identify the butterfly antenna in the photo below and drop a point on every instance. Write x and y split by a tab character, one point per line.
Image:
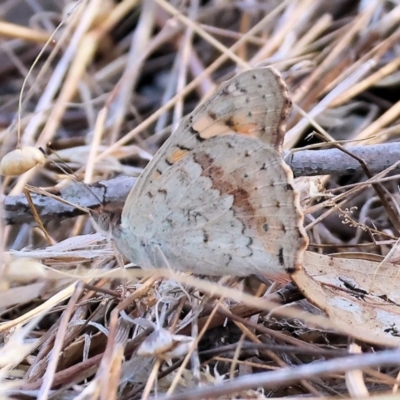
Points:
63	167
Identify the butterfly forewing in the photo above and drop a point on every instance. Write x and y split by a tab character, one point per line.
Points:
254	103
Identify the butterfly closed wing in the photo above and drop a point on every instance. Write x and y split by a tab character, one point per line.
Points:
217	198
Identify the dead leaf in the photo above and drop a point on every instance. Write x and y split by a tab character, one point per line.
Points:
359	296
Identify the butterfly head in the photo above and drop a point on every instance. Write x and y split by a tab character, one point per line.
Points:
107	220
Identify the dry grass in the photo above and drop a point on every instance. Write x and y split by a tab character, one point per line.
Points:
100	85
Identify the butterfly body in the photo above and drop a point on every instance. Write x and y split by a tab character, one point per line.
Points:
217	198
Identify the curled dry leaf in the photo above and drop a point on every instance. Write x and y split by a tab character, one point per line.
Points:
80	154
84	247
309	188
18	161
361	297
163	344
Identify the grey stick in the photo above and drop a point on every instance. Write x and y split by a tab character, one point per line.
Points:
115	191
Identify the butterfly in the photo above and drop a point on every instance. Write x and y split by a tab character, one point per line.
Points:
217	198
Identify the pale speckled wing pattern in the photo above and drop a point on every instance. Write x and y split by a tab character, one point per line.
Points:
217	198
254	103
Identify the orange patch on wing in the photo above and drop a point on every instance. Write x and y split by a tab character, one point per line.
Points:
177	155
155	175
207	127
247	129
242	126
